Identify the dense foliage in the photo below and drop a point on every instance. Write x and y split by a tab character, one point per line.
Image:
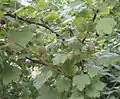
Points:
60	49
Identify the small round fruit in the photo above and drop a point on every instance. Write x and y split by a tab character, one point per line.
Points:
2	21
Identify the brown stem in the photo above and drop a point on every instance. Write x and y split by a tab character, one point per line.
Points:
46	64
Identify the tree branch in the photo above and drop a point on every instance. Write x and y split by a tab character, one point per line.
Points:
28	21
46	64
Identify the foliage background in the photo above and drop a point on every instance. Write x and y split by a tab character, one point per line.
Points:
60	49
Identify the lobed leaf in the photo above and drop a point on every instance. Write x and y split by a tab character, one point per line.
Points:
59	58
63	85
10	73
81	81
42	78
21	36
94	89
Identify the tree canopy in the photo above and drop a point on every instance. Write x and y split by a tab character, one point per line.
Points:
60	49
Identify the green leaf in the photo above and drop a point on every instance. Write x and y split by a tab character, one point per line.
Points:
69	68
10	73
84	13
104	9
81	81
91	92
51	16
22	36
90	27
93	71
81	26
76	94
42	78
27	10
75	46
105	25
1	14
41	4
59	58
63	85
46	92
77	21
94	89
77	97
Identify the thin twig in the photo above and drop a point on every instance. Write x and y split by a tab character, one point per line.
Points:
28	21
37	61
93	20
95	15
83	40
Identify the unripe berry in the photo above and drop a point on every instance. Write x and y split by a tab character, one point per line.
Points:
91	48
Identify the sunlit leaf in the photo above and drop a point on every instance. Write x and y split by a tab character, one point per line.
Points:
105	25
41	4
51	16
27	10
